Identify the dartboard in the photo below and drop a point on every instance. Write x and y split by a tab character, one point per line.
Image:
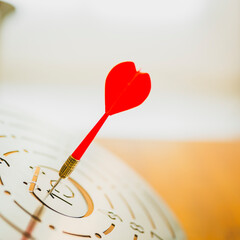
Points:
103	198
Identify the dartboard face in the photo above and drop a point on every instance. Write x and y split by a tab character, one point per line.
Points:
103	198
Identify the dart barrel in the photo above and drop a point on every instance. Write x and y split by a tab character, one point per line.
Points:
68	167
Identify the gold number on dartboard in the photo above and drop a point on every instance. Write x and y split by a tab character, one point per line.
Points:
136	227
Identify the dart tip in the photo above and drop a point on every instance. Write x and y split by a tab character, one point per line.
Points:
54	186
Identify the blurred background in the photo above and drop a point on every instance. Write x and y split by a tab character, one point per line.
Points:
55	56
184	140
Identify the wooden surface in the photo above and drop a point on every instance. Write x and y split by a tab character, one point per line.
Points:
200	181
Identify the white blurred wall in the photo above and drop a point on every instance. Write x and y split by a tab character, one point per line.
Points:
55	56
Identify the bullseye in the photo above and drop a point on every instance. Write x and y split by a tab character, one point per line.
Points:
69	198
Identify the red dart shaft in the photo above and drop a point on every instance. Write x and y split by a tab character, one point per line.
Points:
73	160
80	150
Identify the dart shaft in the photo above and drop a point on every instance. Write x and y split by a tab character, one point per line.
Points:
73	160
80	150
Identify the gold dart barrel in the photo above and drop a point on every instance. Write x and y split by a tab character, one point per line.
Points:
68	167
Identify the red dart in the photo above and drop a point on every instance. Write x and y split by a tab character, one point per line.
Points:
125	88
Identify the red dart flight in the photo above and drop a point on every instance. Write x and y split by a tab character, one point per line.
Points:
125	88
